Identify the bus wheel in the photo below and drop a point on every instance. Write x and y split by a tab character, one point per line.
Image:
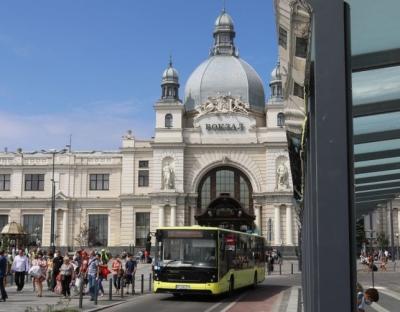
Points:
255	280
231	286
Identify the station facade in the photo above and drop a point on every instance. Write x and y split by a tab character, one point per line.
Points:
218	157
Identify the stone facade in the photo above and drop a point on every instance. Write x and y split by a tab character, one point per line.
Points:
162	176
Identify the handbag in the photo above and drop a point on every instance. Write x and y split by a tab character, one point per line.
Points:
35	271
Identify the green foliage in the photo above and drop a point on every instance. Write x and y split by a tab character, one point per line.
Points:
382	240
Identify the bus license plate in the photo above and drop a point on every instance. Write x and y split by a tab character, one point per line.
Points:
182	286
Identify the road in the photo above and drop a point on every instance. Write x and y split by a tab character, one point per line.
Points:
275	294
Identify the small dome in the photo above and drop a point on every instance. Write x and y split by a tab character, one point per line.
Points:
224	19
170	75
276	73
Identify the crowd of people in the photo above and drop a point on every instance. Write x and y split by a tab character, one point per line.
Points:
85	271
369	260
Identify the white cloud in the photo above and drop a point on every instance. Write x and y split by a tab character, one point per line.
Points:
98	125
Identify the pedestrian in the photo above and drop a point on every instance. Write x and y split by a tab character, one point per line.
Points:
3	275
366	298
41	275
57	263
93	274
103	273
67	274
116	273
49	276
130	270
20	266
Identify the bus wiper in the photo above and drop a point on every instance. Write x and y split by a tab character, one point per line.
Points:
173	260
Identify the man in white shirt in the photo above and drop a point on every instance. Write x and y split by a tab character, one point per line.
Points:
20	266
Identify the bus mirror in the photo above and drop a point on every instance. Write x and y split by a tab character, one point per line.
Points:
159	235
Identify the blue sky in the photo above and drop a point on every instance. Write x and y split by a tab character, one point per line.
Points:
93	68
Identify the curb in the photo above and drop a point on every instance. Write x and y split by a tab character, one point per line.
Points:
116	303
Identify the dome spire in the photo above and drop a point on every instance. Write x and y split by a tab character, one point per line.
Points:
276	83
170	82
224	34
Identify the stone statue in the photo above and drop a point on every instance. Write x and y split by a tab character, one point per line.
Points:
282	177
168	177
222	104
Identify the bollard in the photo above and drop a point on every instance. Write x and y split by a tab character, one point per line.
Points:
122	288
12	279
149	282
142	284
291	268
280	268
395	267
96	290
81	294
133	284
110	291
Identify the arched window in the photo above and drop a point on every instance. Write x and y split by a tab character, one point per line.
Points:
281	120
168	121
225	181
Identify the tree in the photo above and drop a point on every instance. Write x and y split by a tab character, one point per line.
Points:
83	236
382	240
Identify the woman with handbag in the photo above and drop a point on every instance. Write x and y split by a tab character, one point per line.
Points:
40	276
67	273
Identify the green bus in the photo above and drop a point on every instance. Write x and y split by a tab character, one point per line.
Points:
206	260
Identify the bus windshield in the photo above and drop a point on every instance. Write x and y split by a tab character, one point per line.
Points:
189	252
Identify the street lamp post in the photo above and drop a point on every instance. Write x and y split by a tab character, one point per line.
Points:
53	152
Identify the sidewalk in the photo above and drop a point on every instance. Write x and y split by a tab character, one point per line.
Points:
27	301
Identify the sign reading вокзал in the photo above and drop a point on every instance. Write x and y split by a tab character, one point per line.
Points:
224	127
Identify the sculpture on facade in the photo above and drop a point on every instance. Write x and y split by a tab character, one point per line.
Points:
168	176
222	104
282	177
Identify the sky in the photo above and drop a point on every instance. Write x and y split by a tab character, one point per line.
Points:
92	68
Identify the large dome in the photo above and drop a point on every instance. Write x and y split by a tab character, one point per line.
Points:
223	75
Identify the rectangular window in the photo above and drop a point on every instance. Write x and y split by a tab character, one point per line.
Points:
33	225
298	90
3	221
142	228
282	37
99	182
301	47
143	164
98	230
34	182
4	182
143	178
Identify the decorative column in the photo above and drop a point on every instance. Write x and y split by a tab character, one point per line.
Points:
289	228
173	215
257	209
277	225
161	216
64	241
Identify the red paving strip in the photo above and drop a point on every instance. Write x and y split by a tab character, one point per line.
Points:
263	298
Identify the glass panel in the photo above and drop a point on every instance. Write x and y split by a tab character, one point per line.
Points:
376	173
376	85
225	182
33	225
382	161
373	25
376	123
376	146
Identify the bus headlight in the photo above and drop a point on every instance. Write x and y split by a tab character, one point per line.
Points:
213	278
